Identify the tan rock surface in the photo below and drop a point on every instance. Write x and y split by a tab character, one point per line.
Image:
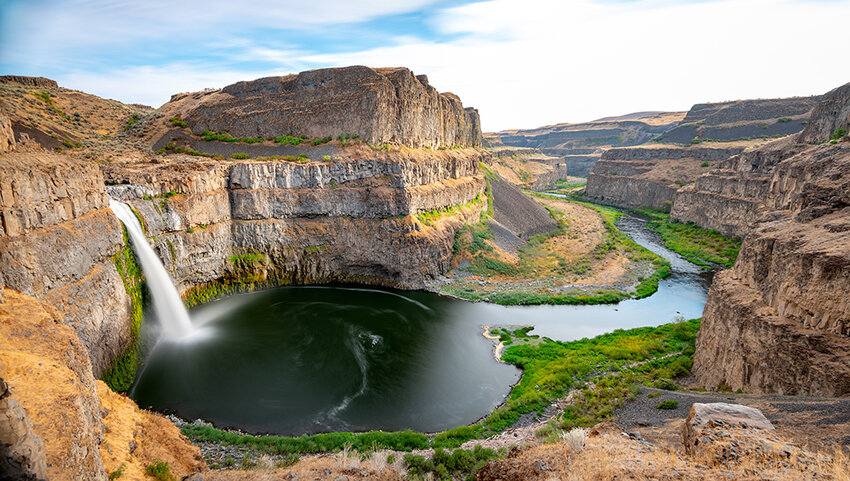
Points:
382	105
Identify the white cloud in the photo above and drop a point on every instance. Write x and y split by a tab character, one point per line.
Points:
155	85
526	63
522	63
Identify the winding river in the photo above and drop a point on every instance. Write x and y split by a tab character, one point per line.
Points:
297	360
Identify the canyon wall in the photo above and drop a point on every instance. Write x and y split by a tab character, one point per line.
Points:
74	427
382	105
650	176
256	223
579	146
779	321
57	239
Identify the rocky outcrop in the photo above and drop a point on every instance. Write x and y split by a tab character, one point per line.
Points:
7	136
709	424
383	105
57	236
527	168
650	176
29	81
21	449
779	321
830	115
87	431
742	119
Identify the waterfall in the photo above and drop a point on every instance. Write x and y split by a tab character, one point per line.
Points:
169	308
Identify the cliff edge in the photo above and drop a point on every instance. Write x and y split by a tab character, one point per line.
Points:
382	105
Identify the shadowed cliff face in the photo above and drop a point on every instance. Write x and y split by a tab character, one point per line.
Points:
779	321
385	105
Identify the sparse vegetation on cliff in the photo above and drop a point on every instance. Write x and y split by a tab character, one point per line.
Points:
120	377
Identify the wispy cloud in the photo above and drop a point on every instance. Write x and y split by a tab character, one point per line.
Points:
523	63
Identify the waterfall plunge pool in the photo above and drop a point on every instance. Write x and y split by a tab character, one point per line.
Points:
296	360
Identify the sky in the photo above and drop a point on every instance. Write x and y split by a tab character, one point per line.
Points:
521	63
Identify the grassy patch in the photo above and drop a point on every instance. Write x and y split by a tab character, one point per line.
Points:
120	376
697	245
667	404
239	156
289	139
432	216
316	443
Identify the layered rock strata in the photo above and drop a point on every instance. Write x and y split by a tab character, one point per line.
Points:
57	236
579	146
779	321
382	105
339	220
650	176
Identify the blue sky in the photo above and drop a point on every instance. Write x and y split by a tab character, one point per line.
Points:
522	63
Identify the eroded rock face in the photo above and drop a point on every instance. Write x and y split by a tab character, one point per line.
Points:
7	136
341	220
779	321
86	430
831	114
57	237
384	105
21	449
649	176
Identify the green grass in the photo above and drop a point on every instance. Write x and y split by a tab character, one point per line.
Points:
311	444
471	239
239	156
667	404
697	245
120	376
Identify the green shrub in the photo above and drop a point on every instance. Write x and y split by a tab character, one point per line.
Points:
667	404
666	384
239	156
838	134
653	395
176	122
704	164
289	139
321	141
160	470
118	472
131	122
784	120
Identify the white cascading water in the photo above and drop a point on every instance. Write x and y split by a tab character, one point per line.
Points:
166	301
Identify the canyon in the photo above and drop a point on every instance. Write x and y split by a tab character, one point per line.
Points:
367	176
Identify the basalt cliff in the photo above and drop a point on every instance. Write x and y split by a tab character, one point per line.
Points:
369	151
779	321
384	105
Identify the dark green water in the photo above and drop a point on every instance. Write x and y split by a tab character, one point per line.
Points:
308	359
